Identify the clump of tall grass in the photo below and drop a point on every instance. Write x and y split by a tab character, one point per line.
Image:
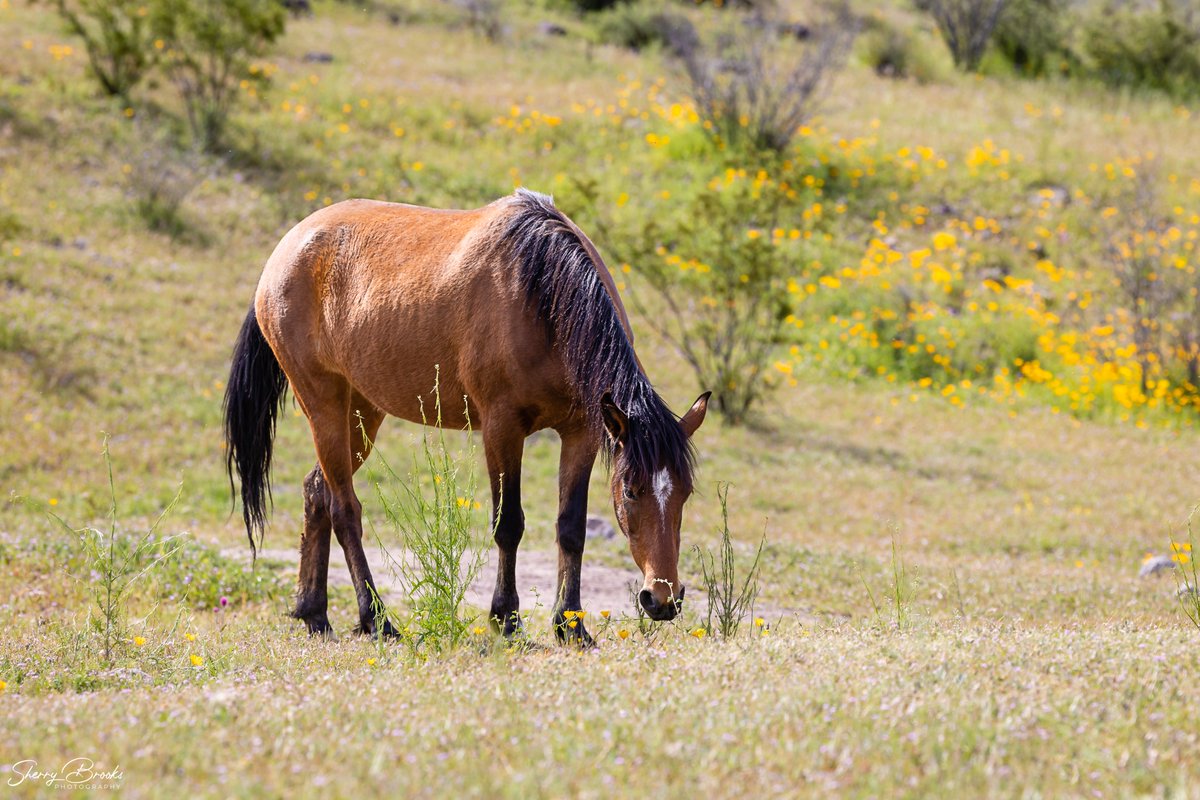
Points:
894	608
731	590
435	517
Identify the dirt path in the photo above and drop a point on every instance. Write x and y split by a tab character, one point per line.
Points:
602	587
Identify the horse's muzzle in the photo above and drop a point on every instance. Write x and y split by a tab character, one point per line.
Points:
660	612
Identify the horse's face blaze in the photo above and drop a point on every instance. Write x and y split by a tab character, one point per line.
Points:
651	515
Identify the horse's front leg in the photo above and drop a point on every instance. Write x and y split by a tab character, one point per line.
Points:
503	445
574	472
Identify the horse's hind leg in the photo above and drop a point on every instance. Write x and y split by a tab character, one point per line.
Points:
503	444
312	599
327	400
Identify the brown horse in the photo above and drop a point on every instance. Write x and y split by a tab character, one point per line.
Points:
512	306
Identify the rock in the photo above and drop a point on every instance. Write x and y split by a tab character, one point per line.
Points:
1155	565
318	58
600	528
551	29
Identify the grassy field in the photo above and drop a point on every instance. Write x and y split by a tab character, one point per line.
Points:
950	584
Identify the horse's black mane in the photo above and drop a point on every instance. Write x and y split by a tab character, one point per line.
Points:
563	284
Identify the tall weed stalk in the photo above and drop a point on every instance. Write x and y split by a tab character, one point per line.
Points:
114	563
729	600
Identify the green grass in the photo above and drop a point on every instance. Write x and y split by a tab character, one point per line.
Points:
1032	660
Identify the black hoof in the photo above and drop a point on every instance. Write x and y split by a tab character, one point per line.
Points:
316	622
386	631
569	630
508	625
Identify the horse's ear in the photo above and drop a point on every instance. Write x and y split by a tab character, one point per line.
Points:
616	422
695	415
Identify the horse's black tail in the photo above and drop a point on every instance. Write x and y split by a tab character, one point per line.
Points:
253	399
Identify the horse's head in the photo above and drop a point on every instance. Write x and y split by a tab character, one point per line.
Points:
648	501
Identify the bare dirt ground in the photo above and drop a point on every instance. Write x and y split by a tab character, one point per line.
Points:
603	587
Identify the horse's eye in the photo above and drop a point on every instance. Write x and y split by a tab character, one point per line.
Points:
629	493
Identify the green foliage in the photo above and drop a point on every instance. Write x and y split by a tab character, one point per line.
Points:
728	601
208	48
10	225
1035	37
434	516
895	52
721	278
118	39
1153	49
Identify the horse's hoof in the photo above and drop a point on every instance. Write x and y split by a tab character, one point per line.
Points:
318	627
385	631
509	626
572	632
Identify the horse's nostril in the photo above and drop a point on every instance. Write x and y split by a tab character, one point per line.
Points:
646	598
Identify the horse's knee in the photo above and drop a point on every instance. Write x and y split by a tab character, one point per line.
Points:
510	528
572	531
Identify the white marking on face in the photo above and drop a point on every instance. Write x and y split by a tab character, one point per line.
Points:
662	488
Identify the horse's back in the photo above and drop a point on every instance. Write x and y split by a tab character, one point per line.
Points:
390	296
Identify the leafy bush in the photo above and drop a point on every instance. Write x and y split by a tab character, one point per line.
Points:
209	44
720	275
897	53
118	39
1034	36
966	26
750	87
1155	49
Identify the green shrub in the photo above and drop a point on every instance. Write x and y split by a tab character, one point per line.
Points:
1034	37
1155	50
208	48
720	274
118	39
898	53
